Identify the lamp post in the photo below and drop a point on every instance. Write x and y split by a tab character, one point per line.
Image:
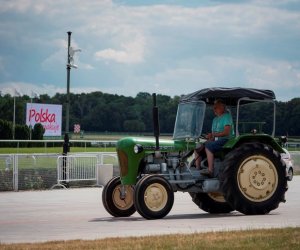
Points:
16	93
33	95
14	117
66	145
68	84
71	53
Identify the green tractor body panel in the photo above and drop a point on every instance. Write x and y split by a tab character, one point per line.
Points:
130	161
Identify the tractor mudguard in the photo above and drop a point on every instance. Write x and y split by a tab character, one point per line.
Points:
246	138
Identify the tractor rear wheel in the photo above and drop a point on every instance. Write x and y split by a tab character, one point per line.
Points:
153	197
213	203
112	199
253	180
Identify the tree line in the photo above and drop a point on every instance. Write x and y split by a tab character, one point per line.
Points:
102	112
22	132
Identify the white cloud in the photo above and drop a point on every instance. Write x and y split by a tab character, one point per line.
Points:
59	57
100	18
15	5
251	72
177	81
132	52
282	77
85	66
3	71
50	7
165	48
274	3
275	75
1	65
25	88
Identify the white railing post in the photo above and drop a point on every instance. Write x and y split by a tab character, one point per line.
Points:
58	170
15	172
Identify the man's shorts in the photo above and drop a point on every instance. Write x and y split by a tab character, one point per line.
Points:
215	146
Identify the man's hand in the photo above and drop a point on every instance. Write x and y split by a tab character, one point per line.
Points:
209	136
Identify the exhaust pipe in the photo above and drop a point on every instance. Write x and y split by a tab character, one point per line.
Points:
155	122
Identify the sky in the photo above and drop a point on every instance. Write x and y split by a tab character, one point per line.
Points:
169	47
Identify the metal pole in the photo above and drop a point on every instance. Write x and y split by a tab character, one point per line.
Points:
66	149
14	118
68	84
30	126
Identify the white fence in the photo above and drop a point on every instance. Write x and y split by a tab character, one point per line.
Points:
43	171
76	168
295	157
84	167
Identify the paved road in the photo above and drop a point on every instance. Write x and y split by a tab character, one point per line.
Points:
79	214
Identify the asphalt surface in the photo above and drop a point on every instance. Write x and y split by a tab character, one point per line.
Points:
40	216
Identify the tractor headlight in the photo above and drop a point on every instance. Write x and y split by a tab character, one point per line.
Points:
137	148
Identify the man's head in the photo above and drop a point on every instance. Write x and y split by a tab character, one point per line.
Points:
219	107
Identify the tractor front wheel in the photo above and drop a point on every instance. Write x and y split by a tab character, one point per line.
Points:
153	197
118	202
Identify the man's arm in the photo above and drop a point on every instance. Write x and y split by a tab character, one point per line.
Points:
225	132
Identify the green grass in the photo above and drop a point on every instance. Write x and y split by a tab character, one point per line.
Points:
286	238
29	162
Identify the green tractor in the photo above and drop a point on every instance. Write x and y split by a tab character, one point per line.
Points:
249	174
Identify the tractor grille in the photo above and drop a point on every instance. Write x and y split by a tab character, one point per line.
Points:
123	161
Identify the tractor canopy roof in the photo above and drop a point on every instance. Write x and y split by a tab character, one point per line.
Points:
228	95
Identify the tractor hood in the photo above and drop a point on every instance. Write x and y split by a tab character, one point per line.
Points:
148	144
132	150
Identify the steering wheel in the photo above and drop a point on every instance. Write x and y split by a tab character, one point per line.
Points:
203	136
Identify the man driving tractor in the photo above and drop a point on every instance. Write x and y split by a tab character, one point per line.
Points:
222	130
